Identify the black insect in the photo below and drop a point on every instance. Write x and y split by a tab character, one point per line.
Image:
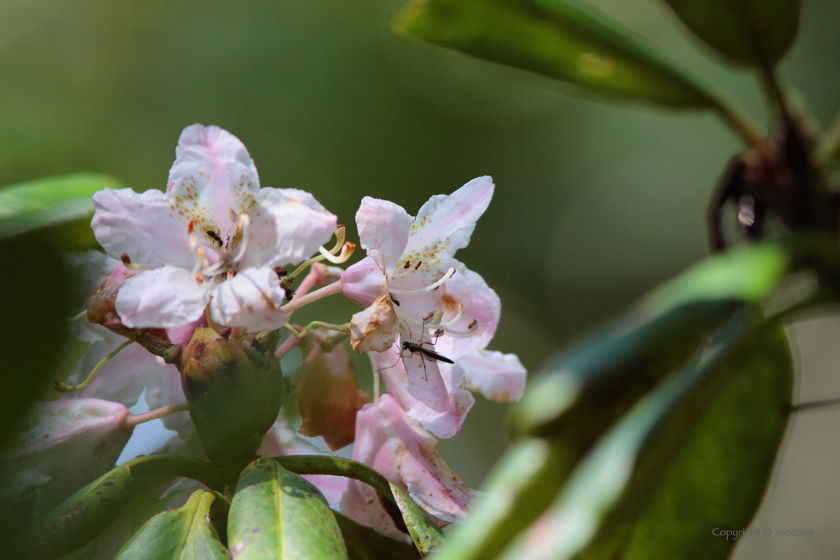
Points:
424	352
285	282
396	302
215	237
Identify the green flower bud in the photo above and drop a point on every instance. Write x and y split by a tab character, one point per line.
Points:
234	396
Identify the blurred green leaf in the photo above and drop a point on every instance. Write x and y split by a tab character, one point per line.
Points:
561	39
592	385
78	519
63	203
36	299
602	376
692	456
751	32
278	514
186	533
363	543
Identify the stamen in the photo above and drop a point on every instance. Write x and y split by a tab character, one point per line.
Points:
340	234
197	253
456	317
243	228
420	291
346	251
471	329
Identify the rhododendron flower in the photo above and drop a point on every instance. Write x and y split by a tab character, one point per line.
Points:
407	455
411	275
499	377
213	238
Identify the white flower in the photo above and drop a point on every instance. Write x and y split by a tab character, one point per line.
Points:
213	238
432	296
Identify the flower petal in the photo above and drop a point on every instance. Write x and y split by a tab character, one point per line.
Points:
499	377
424	382
407	455
445	223
213	180
383	231
250	299
60	447
364	282
441	424
287	228
163	298
481	305
143	226
375	328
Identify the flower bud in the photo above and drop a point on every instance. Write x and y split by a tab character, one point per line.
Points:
234	397
102	305
61	446
328	397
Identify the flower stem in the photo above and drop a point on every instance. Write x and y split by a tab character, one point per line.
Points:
345	328
334	288
62	387
134	419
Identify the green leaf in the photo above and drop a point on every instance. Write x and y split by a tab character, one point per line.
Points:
589	386
363	543
63	203
424	532
186	533
520	487
278	514
750	32
79	518
561	39
693	455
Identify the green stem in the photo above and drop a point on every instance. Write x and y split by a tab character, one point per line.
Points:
176	465
336	466
829	146
344	328
740	123
62	387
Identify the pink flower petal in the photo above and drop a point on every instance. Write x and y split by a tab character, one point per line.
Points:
481	305
251	299
424	382
136	224
445	223
383	231
499	377
161	298
389	442
60	447
441	424
364	282
287	228
213	179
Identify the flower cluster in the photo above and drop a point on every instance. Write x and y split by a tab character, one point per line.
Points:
204	277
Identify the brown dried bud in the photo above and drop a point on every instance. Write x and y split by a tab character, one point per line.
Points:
328	397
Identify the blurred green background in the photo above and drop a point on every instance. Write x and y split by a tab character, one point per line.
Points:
595	203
